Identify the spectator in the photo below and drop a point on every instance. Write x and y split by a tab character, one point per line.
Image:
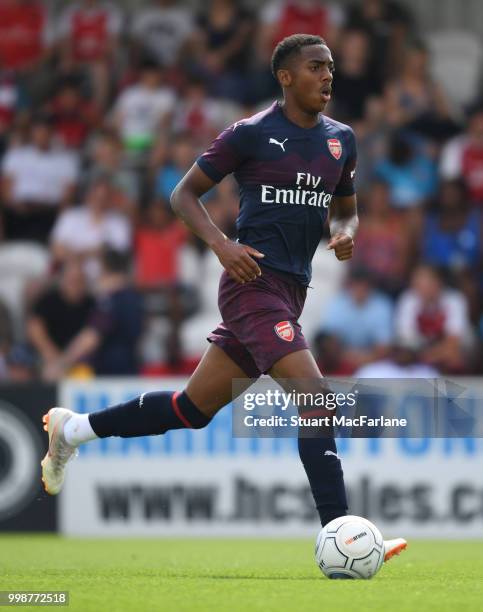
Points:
361	318
414	100
143	109
109	340
60	313
452	233
222	48
106	158
181	158
433	320
161	29
21	365
402	362
38	180
389	26
382	241
85	230
354	79
409	172
25	44
72	114
89	36
12	100
451	240
159	240
6	337
462	157
281	18
200	115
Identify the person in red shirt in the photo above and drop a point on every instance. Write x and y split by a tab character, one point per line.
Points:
462	157
158	241
88	32
73	116
24	35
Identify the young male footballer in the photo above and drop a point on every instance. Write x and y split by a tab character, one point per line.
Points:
295	169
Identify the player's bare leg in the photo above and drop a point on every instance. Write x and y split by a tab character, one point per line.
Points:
208	390
299	372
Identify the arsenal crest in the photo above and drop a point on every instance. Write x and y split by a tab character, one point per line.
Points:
285	331
335	147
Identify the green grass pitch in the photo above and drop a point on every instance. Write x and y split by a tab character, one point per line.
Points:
236	575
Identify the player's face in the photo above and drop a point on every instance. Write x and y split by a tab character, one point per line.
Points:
311	78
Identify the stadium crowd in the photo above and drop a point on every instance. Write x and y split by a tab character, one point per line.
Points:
102	110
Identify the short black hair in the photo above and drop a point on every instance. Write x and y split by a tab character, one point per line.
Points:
291	45
115	261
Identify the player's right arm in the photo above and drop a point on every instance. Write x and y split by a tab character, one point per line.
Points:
236	258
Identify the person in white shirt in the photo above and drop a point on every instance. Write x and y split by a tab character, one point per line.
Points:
38	180
85	230
142	109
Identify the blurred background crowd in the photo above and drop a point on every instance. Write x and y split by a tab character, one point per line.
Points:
105	105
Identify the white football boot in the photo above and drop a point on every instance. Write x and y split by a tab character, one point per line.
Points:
394	547
59	453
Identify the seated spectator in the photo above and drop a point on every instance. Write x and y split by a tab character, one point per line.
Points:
382	240
409	172
329	355
180	159
361	318
389	26
143	109
414	100
21	365
281	18
354	80
12	100
6	337
109	340
105	157
462	157
89	36
38	180
433	320
222	48
26	43
158	243
451	240
73	116
160	29
60	313
401	362
200	115
83	231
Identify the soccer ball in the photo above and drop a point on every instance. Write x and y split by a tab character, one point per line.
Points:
349	547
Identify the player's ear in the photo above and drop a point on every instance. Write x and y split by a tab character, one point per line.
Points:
284	77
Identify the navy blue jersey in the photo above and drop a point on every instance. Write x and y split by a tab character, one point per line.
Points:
287	177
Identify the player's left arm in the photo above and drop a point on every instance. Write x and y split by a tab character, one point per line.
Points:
343	220
343	223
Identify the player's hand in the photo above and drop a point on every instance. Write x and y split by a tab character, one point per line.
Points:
237	259
342	245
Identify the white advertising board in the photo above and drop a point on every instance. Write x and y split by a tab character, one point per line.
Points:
204	483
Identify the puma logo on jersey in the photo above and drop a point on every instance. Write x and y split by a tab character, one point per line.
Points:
280	144
329	452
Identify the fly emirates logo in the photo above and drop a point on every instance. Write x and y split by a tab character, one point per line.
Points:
308	192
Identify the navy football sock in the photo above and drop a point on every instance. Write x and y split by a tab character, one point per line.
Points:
324	471
148	415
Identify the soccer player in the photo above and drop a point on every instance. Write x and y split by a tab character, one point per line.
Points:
295	168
